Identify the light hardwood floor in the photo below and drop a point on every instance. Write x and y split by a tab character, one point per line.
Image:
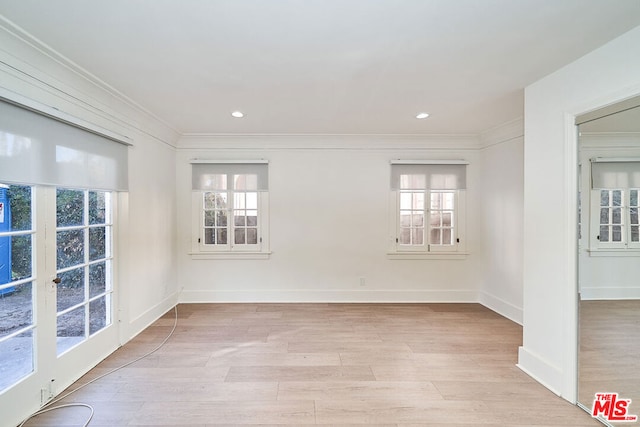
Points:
332	364
609	357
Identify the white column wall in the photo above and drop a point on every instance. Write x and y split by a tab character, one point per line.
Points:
501	216
606	75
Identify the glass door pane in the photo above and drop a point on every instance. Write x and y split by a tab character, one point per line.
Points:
52	332
83	256
17	320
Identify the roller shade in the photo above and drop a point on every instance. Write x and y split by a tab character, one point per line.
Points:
429	176
210	175
615	173
37	149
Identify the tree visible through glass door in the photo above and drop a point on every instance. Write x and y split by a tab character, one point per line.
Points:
84	265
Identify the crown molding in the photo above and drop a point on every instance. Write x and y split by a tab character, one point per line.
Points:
33	70
503	133
328	142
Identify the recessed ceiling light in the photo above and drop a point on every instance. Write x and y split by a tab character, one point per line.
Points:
422	115
237	114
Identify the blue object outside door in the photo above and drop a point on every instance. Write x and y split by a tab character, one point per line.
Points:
5	242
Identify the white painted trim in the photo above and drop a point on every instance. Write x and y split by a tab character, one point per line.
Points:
614	293
281	296
229	255
540	370
88	99
408	255
230	162
121	268
95	353
503	133
446	143
615	159
610	252
428	162
569	387
502	307
143	321
52	56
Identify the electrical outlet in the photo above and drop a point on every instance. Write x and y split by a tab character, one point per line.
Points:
362	281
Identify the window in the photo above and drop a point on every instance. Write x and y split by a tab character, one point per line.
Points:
230	216
428	207
618	219
17	320
614	207
58	293
230	208
84	258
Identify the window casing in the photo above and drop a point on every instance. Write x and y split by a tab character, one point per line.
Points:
427	221
615	190
230	205
428	209
615	213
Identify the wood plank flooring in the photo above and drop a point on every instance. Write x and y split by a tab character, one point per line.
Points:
609	358
329	364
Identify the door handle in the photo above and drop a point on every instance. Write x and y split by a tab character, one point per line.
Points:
57	280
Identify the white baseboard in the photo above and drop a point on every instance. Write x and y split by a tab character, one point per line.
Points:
592	293
258	296
540	370
501	307
141	322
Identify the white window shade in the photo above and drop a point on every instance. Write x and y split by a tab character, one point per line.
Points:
615	173
36	149
429	176
208	175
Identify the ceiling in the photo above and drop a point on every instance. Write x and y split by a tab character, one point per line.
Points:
325	66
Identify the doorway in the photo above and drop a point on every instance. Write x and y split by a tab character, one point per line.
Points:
57	288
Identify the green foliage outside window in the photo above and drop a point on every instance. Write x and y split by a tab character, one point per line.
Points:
20	202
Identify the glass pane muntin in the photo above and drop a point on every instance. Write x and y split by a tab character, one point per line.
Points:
84	244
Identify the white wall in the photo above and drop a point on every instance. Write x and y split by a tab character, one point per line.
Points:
501	218
148	279
606	75
329	216
604	274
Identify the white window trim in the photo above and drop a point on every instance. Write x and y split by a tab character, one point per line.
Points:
595	252
200	251
597	248
425	252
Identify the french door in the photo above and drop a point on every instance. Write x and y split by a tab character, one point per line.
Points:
57	290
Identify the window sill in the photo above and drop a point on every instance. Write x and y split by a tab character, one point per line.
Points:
427	255
609	252
229	255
